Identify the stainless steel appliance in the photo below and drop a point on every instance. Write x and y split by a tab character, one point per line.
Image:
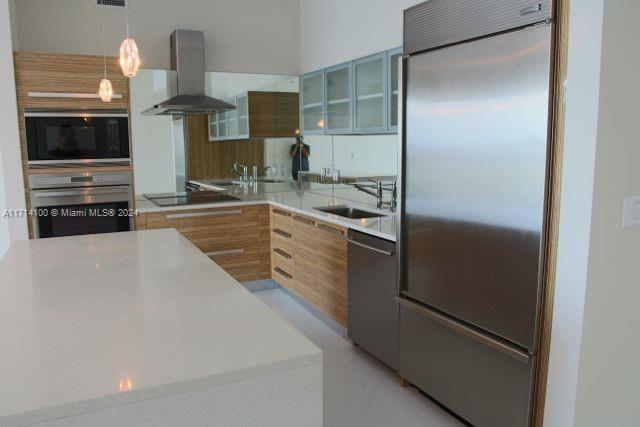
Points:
372	282
475	123
188	79
194	197
82	203
59	138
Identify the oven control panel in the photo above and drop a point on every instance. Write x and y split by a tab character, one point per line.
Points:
38	181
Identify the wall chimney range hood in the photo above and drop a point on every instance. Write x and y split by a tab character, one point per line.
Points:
187	79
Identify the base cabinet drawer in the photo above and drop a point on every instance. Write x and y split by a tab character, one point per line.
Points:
283	277
236	238
314	255
487	387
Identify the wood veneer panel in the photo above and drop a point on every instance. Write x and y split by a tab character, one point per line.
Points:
247	231
273	114
319	261
55	72
214	159
561	43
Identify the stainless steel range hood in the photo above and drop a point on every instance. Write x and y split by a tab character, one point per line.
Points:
187	79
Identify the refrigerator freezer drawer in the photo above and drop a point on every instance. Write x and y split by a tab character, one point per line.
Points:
481	384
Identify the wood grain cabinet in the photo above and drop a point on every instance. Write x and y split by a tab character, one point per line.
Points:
236	238
309	257
258	115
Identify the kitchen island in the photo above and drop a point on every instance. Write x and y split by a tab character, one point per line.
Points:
140	328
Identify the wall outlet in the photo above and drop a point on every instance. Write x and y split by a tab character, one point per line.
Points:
631	211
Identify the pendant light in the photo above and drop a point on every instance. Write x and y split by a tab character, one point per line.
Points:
129	56
106	89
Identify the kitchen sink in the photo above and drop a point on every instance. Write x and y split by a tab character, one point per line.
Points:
349	212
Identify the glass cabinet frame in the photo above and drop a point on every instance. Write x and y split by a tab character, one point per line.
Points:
382	127
320	127
392	67
348	100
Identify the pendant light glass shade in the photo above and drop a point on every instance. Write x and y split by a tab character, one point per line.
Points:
129	57
106	90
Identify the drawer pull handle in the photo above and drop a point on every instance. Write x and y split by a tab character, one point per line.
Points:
283	273
330	229
205	214
282	253
224	252
281	212
282	233
304	220
369	248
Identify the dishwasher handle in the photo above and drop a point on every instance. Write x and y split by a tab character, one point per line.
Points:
368	247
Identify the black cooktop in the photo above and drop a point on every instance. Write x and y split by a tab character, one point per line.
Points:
189	198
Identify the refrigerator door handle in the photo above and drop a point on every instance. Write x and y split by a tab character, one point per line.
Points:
483	339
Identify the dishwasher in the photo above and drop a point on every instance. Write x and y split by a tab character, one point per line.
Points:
372	319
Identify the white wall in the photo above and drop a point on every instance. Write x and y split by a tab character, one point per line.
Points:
11	184
14	24
335	31
609	373
593	377
152	144
581	120
240	35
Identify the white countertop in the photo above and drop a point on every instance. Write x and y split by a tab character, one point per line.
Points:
302	202
90	322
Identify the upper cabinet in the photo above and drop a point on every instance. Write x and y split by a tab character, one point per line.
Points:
243	116
358	97
312	103
258	114
231	118
370	86
393	62
338	99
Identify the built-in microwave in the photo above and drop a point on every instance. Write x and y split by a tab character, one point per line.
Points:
66	137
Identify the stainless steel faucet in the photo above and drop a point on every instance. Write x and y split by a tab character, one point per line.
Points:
243	172
377	190
256	173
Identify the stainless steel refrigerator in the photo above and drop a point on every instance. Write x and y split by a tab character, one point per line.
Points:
476	92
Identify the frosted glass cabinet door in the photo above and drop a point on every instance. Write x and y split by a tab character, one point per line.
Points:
338	99
213	127
242	116
232	123
370	94
222	125
392	93
312	103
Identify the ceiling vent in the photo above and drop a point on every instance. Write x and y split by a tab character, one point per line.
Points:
116	4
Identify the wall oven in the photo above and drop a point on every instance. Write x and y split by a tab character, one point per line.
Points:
59	138
81	203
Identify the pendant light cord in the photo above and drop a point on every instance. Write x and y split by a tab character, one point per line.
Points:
104	49
126	14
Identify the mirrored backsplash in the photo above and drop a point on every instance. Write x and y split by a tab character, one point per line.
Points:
216	143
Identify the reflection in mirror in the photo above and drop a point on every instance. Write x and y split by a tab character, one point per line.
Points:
259	133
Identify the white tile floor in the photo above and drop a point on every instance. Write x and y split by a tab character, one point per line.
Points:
359	391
